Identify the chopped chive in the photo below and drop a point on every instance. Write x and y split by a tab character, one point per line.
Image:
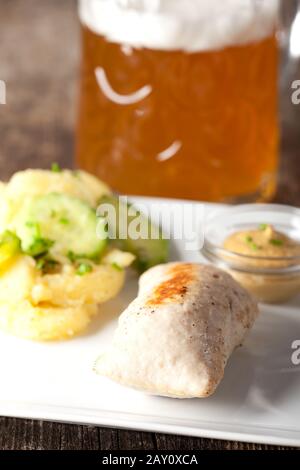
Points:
64	221
117	267
276	242
40	263
262	227
35	226
46	264
251	243
55	168
83	269
40	246
72	257
254	246
31	224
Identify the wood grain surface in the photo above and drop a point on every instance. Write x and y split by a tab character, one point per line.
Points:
39	58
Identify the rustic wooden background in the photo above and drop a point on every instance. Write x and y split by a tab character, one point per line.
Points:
39	57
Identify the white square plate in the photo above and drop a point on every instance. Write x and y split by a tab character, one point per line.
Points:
258	400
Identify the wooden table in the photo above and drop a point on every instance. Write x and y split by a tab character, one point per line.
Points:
39	52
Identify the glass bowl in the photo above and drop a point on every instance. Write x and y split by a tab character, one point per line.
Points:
271	279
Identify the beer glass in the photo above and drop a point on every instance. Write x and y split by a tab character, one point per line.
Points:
178	98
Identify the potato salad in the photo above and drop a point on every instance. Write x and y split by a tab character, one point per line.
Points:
55	267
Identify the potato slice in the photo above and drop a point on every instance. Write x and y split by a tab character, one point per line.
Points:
53	306
67	288
43	323
74	183
17	279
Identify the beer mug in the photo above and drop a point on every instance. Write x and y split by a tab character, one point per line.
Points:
179	98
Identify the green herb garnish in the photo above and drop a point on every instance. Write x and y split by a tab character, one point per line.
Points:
46	264
83	269
30	224
64	221
276	242
117	266
40	246
36	228
72	257
40	263
10	245
262	227
55	168
251	243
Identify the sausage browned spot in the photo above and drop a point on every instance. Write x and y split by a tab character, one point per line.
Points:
176	284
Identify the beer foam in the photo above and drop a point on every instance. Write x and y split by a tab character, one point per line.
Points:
189	25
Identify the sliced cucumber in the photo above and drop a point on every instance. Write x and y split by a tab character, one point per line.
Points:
61	224
149	252
9	247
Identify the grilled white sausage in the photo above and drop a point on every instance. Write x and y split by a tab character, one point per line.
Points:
176	337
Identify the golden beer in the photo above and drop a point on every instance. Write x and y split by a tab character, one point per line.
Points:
199	124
